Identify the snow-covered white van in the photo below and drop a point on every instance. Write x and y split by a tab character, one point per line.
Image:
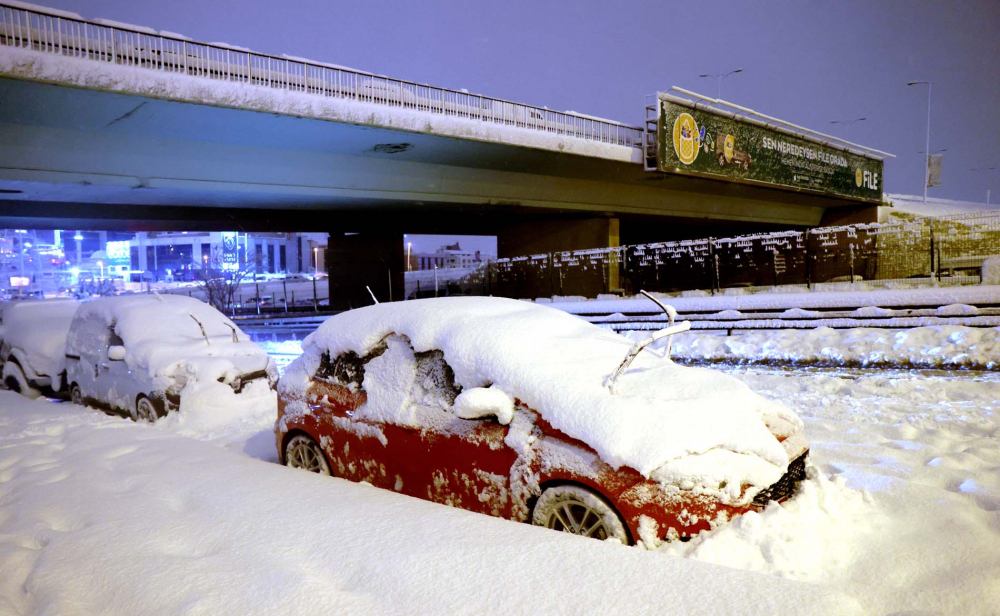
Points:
146	355
33	347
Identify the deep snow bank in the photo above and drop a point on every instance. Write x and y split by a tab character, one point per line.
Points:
944	346
101	515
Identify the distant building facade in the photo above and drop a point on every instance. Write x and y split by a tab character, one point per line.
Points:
447	257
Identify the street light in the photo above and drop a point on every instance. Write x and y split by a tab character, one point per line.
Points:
409	246
315	262
722	76
927	162
985	170
101	265
848	122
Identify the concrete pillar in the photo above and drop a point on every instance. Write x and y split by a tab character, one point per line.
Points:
544	236
362	260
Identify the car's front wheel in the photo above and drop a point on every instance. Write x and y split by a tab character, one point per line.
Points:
145	410
579	511
76	395
303	452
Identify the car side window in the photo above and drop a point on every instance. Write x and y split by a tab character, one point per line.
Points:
434	384
347	369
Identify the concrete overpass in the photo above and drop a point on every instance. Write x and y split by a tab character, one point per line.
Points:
120	127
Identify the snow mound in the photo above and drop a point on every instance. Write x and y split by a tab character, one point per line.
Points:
927	347
956	310
991	271
39	329
558	365
873	311
485	402
729	314
798	313
821	529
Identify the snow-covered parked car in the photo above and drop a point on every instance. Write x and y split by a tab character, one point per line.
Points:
509	408
146	355
33	345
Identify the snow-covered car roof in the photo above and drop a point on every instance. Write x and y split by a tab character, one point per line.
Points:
558	365
160	334
39	328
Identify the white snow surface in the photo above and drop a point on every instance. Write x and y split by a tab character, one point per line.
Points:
39	328
991	271
162	338
485	402
952	346
99	515
847	299
559	365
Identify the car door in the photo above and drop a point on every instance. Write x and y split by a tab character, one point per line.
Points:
356	448
90	335
115	378
444	458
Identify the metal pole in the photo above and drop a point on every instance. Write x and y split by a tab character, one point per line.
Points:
315	303
284	288
927	171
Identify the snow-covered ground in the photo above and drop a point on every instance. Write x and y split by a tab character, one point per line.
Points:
943	346
100	515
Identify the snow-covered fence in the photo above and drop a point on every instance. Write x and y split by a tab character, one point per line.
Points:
947	250
67	34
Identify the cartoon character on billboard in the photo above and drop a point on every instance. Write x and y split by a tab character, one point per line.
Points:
686	138
729	154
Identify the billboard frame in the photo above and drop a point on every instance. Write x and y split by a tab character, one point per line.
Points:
818	168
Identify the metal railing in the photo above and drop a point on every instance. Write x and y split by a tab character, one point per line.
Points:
941	251
60	34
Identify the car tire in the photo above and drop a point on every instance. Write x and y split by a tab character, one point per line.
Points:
145	410
15	380
305	453
76	395
576	510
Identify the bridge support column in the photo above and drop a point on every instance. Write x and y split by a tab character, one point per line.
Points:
361	260
544	236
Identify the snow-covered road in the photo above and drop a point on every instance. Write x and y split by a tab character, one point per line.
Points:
99	515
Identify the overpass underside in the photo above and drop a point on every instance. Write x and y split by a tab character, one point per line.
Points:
102	148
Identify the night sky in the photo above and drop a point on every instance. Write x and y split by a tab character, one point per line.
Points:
806	62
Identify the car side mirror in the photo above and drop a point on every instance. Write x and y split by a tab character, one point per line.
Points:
116	353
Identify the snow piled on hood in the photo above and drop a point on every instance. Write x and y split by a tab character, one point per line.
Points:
558	365
161	337
39	329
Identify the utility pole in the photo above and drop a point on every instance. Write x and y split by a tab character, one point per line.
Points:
927	158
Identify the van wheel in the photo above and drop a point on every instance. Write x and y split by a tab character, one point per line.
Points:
14	380
76	395
145	410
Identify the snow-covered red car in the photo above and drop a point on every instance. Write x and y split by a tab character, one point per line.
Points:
33	345
146	355
508	408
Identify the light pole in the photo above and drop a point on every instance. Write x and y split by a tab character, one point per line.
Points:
720	77
848	123
101	265
315	262
927	160
409	246
985	170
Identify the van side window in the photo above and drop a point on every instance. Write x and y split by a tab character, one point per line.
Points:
113	338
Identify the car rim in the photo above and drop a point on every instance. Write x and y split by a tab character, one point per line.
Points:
577	518
144	410
305	454
76	396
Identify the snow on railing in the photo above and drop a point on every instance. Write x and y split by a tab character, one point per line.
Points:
63	33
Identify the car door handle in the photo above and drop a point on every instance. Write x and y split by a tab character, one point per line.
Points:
106	366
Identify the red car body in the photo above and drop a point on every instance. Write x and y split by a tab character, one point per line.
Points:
469	464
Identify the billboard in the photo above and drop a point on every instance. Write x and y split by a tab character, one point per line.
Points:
705	143
230	250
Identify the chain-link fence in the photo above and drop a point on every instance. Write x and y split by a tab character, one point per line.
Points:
948	250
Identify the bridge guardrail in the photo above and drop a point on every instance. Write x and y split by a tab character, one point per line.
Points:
136	47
